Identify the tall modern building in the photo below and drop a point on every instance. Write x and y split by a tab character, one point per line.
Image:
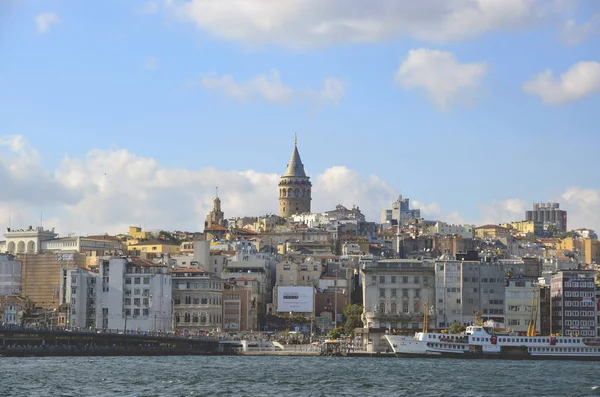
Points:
294	187
573	300
548	214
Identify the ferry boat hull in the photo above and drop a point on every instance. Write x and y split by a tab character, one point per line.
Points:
482	343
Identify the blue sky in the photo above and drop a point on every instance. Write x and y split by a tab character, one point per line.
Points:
444	102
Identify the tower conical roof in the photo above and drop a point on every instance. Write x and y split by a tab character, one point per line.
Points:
295	166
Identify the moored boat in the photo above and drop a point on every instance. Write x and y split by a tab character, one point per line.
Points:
479	341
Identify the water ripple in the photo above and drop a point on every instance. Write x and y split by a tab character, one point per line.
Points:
293	376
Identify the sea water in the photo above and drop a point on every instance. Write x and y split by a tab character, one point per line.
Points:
293	376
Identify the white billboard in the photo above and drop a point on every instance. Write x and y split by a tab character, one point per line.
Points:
295	299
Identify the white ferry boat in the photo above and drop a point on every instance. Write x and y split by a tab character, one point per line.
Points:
484	342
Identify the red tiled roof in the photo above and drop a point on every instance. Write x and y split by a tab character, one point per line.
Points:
216	228
244	279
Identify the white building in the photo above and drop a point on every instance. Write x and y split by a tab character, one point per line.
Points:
10	275
95	246
519	299
21	241
134	294
78	289
311	220
466	290
396	292
446	229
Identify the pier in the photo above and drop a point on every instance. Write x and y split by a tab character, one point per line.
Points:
45	342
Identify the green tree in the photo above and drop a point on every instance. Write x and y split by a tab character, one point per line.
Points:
352	316
456	328
336	333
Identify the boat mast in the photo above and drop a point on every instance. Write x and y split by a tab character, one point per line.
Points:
425	317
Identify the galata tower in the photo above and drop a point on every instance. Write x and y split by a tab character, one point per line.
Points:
294	187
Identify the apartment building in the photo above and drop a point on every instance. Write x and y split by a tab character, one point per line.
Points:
133	294
468	290
573	307
197	302
396	292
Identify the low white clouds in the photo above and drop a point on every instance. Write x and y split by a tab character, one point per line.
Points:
265	86
107	190
45	21
270	88
341	185
310	23
446	81
573	33
583	207
501	211
579	81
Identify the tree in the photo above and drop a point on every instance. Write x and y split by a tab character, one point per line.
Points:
336	333
352	316
456	328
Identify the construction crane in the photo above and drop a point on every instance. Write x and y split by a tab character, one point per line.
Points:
533	314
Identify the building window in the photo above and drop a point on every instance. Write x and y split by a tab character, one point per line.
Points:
382	279
394	292
137	280
393	281
393	308
381	292
127	280
136	312
136	301
382	307
146	280
146	312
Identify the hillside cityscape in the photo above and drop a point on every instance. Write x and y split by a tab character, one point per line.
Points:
304	275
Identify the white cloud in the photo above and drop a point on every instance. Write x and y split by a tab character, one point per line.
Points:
151	64
331	94
308	23
265	86
45	20
107	190
573	33
583	207
501	211
581	80
341	185
446	81
429	211
269	87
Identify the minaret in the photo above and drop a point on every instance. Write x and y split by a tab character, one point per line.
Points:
294	187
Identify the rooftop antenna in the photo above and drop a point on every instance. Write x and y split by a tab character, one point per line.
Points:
217	188
9	216
42	219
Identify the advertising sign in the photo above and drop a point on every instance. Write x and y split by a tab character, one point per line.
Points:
295	299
